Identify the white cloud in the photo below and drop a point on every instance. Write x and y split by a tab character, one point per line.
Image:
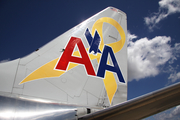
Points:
166	8
174	76
146	55
3	61
176	51
171	114
130	37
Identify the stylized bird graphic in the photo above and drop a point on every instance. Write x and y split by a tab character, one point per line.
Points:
93	42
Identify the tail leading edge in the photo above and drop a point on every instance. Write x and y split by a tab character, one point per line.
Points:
86	65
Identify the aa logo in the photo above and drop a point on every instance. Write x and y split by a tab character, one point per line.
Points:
68	57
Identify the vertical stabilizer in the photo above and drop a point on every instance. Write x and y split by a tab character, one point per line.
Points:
86	65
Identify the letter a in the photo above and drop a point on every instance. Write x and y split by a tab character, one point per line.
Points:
103	66
67	56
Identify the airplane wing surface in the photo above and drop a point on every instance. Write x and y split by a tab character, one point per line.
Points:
140	107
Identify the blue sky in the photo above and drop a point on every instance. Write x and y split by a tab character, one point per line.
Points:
153	36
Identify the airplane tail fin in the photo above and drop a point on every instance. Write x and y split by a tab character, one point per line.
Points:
86	65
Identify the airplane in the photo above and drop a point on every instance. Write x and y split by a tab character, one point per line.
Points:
81	74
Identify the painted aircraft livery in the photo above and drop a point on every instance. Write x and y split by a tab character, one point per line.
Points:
71	58
85	66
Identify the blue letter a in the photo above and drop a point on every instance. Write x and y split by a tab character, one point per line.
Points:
103	66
